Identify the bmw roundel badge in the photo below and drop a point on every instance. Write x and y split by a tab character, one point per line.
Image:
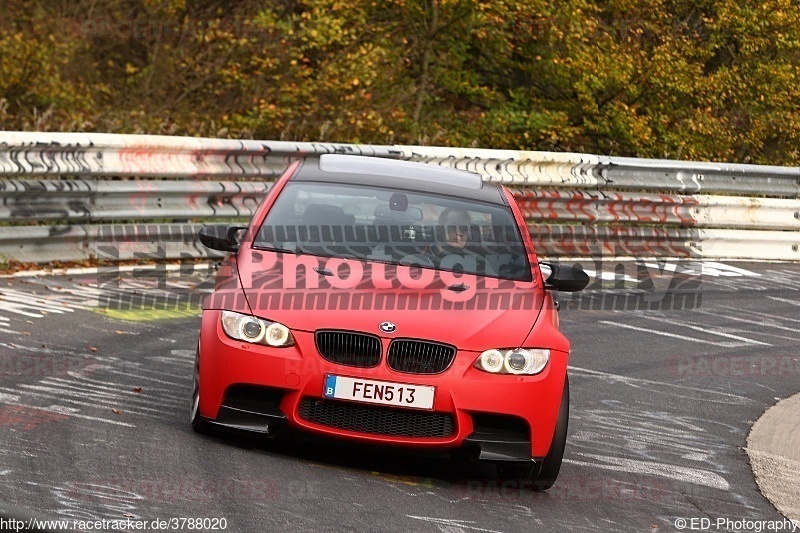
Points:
387	327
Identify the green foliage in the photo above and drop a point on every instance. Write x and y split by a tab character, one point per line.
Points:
681	79
33	91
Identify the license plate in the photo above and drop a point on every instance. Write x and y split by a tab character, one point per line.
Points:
380	392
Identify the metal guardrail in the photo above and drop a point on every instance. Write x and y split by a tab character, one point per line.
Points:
102	154
83	200
68	196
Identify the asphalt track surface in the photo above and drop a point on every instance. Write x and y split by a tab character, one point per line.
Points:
94	414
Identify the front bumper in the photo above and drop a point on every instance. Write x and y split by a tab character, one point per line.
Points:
258	388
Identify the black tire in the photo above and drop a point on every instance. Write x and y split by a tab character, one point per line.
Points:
541	475
197	422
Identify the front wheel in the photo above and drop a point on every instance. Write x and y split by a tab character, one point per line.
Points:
542	474
197	422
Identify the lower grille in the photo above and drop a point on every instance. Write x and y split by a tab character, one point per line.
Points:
257	399
376	420
420	357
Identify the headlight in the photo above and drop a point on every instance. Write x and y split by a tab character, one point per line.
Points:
491	361
528	361
251	329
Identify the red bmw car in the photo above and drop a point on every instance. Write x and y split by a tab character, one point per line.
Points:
393	303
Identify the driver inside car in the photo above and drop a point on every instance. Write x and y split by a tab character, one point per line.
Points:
452	233
451	248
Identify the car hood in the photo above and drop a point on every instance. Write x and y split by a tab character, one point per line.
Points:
471	312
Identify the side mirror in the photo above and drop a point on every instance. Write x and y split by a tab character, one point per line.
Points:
564	278
221	237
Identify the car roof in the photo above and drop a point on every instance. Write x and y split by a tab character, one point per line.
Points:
397	174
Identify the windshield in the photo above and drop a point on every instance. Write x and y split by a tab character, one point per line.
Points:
394	226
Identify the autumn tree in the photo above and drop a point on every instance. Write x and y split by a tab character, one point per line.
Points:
682	79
